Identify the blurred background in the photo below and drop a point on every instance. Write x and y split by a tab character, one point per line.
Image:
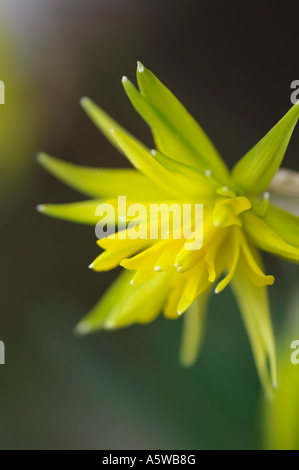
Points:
231	63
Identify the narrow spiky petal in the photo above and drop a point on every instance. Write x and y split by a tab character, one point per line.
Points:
254	306
102	182
201	150
80	212
267	239
103	121
255	171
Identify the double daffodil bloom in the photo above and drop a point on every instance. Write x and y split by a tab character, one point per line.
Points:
239	219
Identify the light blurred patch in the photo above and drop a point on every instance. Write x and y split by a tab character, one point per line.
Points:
281	418
18	120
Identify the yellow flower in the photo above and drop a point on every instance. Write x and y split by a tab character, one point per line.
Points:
238	219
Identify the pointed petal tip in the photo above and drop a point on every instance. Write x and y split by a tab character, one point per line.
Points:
271	280
110	325
84	100
140	67
91	266
40	208
187	363
124	79
83	328
42	158
255	171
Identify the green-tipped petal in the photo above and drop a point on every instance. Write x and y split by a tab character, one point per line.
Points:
285	224
267	239
254	305
96	318
142	304
178	118
79	212
110	259
96	182
173	183
168	136
124	304
255	171
103	121
205	186
232	253
193	329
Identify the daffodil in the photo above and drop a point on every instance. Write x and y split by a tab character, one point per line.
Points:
239	220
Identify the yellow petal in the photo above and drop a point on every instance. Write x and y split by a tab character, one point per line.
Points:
196	281
103	121
184	290
174	295
193	330
186	259
112	298
254	305
226	211
285	224
102	182
231	253
80	212
147	259
252	263
141	304
141	277
122	239
172	124
192	180
166	260
266	239
213	257
110	259
258	167
169	181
